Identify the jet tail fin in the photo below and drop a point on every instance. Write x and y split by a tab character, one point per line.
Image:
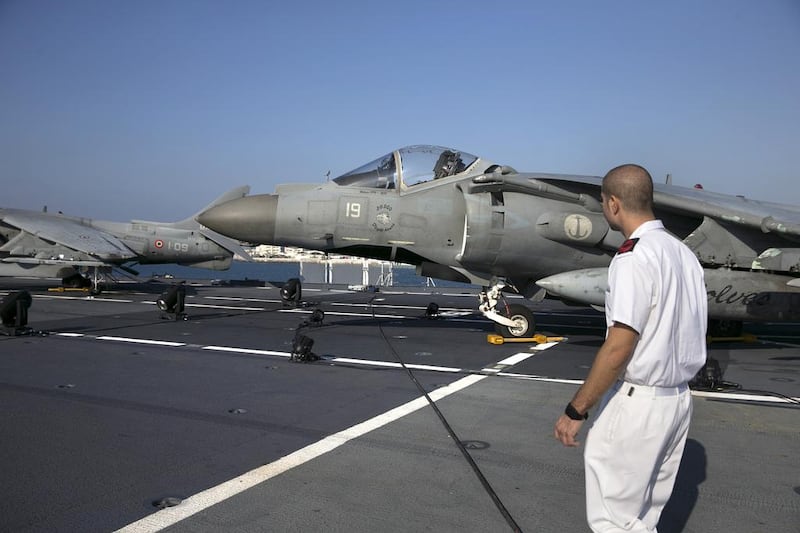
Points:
192	224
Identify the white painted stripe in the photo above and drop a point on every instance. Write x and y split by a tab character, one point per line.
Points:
390	364
494	371
235	299
203	500
530	377
750	397
140	341
341	313
410	293
233	307
701	394
270	287
84	298
209	306
514	359
245	350
387	306
544	346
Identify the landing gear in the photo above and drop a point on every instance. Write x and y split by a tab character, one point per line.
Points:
76	281
512	320
522	317
81	282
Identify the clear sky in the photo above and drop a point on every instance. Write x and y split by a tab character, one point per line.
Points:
152	108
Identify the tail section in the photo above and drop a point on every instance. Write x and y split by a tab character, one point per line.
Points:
192	225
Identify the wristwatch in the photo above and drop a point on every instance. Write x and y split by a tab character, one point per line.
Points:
573	413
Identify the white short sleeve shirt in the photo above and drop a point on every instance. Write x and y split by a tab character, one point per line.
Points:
656	286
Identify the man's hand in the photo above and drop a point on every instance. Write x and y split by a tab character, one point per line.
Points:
567	429
608	364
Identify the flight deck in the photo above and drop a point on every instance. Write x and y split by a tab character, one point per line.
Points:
117	416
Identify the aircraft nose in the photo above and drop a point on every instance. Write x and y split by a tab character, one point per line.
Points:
250	219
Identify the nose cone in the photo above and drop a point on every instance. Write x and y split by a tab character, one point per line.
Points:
249	219
587	286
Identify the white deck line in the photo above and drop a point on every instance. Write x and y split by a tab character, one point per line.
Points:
140	341
214	495
249	351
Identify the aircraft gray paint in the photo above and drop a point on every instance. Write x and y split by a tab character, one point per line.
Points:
463	218
41	244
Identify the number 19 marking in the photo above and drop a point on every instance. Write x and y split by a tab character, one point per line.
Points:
352	210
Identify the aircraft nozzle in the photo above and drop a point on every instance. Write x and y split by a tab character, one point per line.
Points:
248	219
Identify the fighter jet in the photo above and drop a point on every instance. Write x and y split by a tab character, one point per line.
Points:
460	217
83	251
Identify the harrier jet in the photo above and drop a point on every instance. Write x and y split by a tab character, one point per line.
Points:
82	250
460	217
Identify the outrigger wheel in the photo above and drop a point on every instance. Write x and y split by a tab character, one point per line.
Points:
524	323
76	281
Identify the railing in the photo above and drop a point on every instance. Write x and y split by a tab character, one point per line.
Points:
366	272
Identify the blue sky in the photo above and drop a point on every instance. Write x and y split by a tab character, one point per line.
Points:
150	109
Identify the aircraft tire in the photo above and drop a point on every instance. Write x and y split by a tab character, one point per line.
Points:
75	281
522	316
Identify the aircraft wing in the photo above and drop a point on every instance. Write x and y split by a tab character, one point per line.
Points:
40	230
52	262
766	217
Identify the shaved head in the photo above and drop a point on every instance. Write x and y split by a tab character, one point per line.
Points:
633	187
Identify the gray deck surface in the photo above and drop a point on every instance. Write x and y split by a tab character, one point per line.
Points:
97	426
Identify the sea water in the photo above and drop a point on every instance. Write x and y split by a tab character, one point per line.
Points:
402	275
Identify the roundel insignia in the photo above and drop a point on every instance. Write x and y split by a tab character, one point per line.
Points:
159	243
577	227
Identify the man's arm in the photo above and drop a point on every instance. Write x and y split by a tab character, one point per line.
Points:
610	361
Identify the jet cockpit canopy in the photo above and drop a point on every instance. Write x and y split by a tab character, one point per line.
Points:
417	164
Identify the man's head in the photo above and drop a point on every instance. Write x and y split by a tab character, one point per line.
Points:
627	194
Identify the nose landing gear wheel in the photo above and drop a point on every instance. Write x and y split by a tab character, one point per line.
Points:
524	323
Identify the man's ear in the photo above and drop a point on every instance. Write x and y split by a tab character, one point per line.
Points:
613	204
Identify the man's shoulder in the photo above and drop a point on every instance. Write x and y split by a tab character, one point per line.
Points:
628	246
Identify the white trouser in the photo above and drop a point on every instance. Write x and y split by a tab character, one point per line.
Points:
632	455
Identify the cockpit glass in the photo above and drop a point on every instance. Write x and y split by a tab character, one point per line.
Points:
424	163
378	174
419	163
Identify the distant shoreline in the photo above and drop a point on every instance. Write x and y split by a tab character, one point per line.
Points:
338	260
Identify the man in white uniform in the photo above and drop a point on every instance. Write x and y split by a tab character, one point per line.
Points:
656	313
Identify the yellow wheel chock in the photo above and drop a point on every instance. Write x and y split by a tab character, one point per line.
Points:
494	338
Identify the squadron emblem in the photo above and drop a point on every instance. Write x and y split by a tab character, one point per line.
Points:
383	218
577	227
